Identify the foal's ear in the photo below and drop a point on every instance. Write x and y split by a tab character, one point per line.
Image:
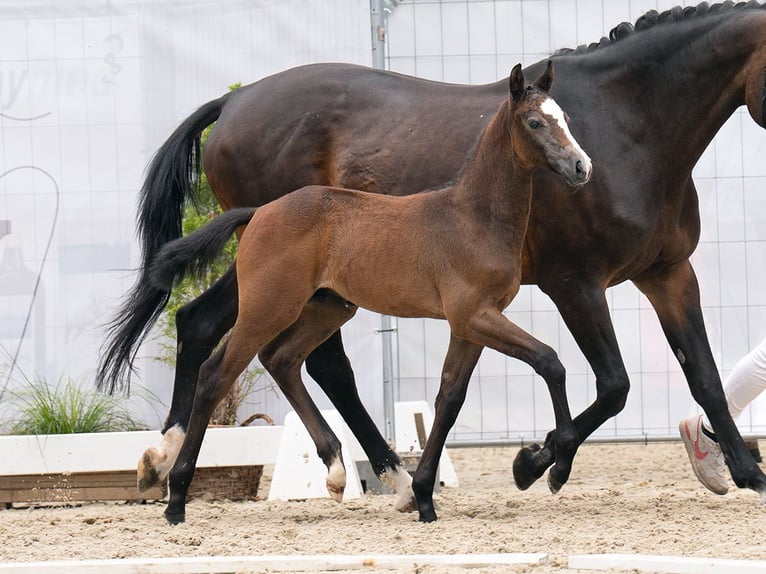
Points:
517	83
544	82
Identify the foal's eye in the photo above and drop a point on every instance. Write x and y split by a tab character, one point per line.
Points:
534	124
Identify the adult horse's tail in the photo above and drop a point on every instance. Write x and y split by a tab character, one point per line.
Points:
193	253
167	187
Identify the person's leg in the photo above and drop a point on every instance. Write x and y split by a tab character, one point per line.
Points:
746	381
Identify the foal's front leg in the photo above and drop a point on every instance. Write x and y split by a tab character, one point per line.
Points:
493	329
584	309
459	363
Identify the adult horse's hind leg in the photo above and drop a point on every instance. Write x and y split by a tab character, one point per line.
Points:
674	293
200	325
283	356
330	368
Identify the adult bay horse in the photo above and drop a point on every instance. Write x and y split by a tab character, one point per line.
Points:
461	262
645	103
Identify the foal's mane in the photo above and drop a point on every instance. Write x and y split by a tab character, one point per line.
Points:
654	18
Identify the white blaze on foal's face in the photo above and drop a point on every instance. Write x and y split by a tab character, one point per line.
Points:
556	118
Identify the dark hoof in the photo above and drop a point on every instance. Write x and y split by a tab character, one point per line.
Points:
427	516
174	519
554	485
525	470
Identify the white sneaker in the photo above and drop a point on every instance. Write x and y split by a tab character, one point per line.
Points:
705	455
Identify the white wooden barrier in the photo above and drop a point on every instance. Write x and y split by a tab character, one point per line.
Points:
298	471
113	451
665	564
304	563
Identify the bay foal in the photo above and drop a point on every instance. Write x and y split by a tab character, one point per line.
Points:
452	253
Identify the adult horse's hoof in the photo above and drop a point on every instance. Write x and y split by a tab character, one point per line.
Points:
525	469
147	473
554	485
335	490
427	515
174	519
406	502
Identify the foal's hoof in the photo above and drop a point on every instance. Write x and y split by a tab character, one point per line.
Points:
525	471
174	519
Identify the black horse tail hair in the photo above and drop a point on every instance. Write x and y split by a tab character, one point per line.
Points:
192	254
168	185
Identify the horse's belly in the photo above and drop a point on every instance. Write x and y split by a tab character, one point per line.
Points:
395	298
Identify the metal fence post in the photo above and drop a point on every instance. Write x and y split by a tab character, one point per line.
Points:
379	30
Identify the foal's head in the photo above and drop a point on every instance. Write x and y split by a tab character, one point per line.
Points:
539	131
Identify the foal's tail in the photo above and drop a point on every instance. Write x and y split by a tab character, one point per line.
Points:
168	186
193	253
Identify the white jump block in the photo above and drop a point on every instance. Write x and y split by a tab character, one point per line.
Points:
413	422
665	564
299	473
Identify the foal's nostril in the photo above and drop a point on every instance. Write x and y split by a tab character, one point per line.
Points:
580	169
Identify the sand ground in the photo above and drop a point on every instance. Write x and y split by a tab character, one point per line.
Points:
627	498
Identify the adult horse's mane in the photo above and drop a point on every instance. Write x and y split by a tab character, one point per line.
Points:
654	18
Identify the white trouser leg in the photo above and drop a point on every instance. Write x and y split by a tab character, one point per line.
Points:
745	382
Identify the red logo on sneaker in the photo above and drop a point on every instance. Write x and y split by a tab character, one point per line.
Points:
698	454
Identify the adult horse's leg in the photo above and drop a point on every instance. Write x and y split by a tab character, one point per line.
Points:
674	294
585	311
331	369
459	363
200	325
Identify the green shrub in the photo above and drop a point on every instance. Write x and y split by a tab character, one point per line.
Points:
66	408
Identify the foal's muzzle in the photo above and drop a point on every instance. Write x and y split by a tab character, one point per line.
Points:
579	172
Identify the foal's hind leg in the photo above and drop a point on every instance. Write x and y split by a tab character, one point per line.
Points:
217	376
259	321
330	368
324	314
200	326
283	356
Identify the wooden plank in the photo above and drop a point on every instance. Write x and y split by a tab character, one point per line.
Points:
298	563
98	452
72	487
666	564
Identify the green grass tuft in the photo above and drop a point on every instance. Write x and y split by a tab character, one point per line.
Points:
67	408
